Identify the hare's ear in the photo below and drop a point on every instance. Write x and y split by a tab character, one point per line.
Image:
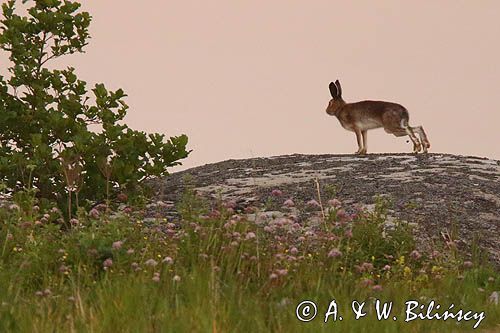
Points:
339	88
333	90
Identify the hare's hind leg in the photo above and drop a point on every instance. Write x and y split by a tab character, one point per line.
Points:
423	137
399	132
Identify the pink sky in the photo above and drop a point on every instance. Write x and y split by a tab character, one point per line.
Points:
250	78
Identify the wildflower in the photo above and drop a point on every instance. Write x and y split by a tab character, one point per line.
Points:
230	204
127	210
273	276
10	236
279	256
282	272
215	214
289	203
39	293
313	203
47	292
366	282
435	254
107	263
130	251
36	208
151	262
491	279
276	193
135	266
294	250
377	287
335	253
367	266
348	233
406	271
101	207
268	229
249	209
468	264
63	268
250	235
14	207
334	203
94	213
168	260
25	225
117	245
341	214
284	302
156	277
71	299
493	298
387	268
122	197
176	278
38	223
415	255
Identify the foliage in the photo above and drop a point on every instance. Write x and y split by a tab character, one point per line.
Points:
117	271
55	136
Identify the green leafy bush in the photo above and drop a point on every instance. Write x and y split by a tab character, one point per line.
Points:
46	115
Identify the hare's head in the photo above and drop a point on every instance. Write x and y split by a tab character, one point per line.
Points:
336	102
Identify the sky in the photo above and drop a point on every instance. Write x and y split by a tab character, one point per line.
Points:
250	78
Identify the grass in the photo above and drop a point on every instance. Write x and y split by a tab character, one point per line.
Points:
109	270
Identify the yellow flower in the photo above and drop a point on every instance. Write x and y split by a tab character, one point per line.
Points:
407	271
435	269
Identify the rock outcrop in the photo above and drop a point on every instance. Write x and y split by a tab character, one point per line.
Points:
443	195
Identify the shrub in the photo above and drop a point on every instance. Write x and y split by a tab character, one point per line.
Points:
47	116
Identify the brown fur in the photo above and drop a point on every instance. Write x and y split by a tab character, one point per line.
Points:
362	116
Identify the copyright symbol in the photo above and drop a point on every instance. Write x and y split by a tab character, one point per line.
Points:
306	311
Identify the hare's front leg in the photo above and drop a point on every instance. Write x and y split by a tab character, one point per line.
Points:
365	141
360	139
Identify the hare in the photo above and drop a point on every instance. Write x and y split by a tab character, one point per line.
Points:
361	116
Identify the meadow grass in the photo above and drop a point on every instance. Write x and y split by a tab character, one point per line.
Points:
214	270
